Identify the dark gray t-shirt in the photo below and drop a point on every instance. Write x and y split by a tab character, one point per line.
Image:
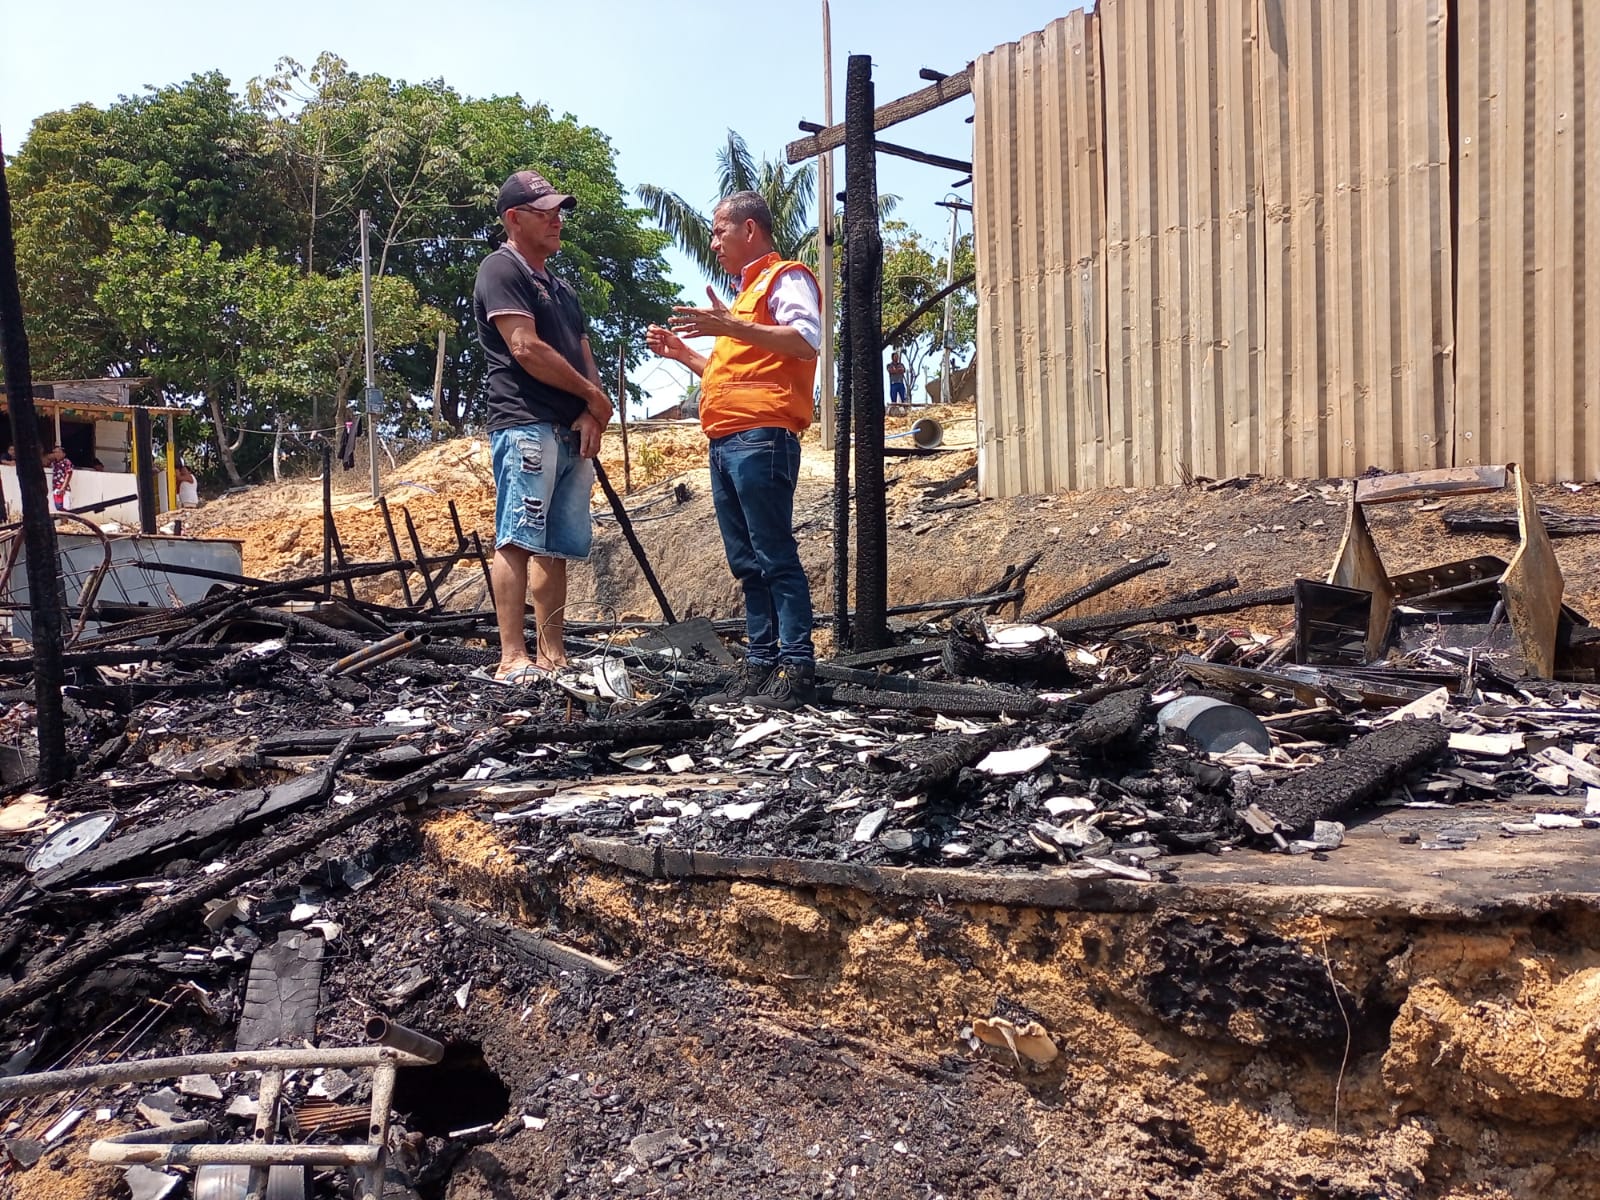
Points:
506	284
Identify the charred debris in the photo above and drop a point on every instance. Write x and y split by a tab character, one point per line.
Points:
245	767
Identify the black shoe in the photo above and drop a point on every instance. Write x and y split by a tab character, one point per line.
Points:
793	685
748	679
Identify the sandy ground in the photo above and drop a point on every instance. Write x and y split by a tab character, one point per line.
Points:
1265	532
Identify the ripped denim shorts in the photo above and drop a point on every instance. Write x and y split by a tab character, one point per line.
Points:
542	491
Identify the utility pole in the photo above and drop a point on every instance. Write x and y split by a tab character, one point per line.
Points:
438	389
372	401
825	235
955	206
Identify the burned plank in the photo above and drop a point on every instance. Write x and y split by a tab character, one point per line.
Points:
1363	772
1416	485
1557	522
522	943
281	995
239	816
1095	587
968	653
1112	724
1112	621
945	763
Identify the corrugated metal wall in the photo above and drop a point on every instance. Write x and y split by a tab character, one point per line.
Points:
1040	180
1216	236
1528	171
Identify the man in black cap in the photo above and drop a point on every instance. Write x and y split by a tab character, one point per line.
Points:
546	414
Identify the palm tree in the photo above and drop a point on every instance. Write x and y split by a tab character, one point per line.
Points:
789	193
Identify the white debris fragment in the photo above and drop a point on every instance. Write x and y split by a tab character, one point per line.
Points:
534	1123
1058	806
757	733
1015	762
1591	802
462	993
1327	835
1435	704
243	1106
869	824
680	763
1557	821
330	930
739	812
301	913
64	1126
202	1086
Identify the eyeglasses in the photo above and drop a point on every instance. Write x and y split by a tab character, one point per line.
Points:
557	214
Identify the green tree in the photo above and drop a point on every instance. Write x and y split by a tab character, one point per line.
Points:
252	342
789	193
912	275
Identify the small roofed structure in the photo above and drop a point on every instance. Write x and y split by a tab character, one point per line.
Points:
95	421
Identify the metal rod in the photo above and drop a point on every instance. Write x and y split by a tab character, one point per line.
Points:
235	1154
265	1130
183	1131
393	652
429	593
327	519
338	553
394	545
621	513
622	418
383	1032
144	1070
378	1132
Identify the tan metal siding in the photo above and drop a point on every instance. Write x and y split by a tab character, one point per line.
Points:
1529	293
1039	200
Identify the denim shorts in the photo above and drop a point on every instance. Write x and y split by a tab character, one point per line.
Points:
542	490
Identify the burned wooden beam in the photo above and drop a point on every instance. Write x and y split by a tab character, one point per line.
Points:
522	943
1363	772
945	763
1557	523
1112	724
951	87
1094	587
239	816
967	653
1112	621
45	597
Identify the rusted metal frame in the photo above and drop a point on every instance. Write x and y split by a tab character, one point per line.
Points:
430	594
394	546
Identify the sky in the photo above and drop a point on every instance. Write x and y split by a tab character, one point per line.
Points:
665	79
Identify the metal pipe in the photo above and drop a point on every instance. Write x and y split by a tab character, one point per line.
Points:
356	657
183	1131
371	1180
235	1154
384	1032
383	656
110	1074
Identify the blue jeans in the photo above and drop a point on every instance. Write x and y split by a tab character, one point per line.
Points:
753	477
541	491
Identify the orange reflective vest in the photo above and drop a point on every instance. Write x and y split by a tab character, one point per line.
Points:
746	387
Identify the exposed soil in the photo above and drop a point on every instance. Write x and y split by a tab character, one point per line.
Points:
1263	532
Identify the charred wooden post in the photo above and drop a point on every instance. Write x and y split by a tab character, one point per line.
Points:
144	466
1109	622
430	595
394	548
841	471
863	289
1112	725
45	598
945	763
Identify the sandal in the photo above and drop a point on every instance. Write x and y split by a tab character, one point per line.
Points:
524	676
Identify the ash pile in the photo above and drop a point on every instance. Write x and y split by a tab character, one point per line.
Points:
246	770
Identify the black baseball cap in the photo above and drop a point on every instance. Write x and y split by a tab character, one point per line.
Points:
530	187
